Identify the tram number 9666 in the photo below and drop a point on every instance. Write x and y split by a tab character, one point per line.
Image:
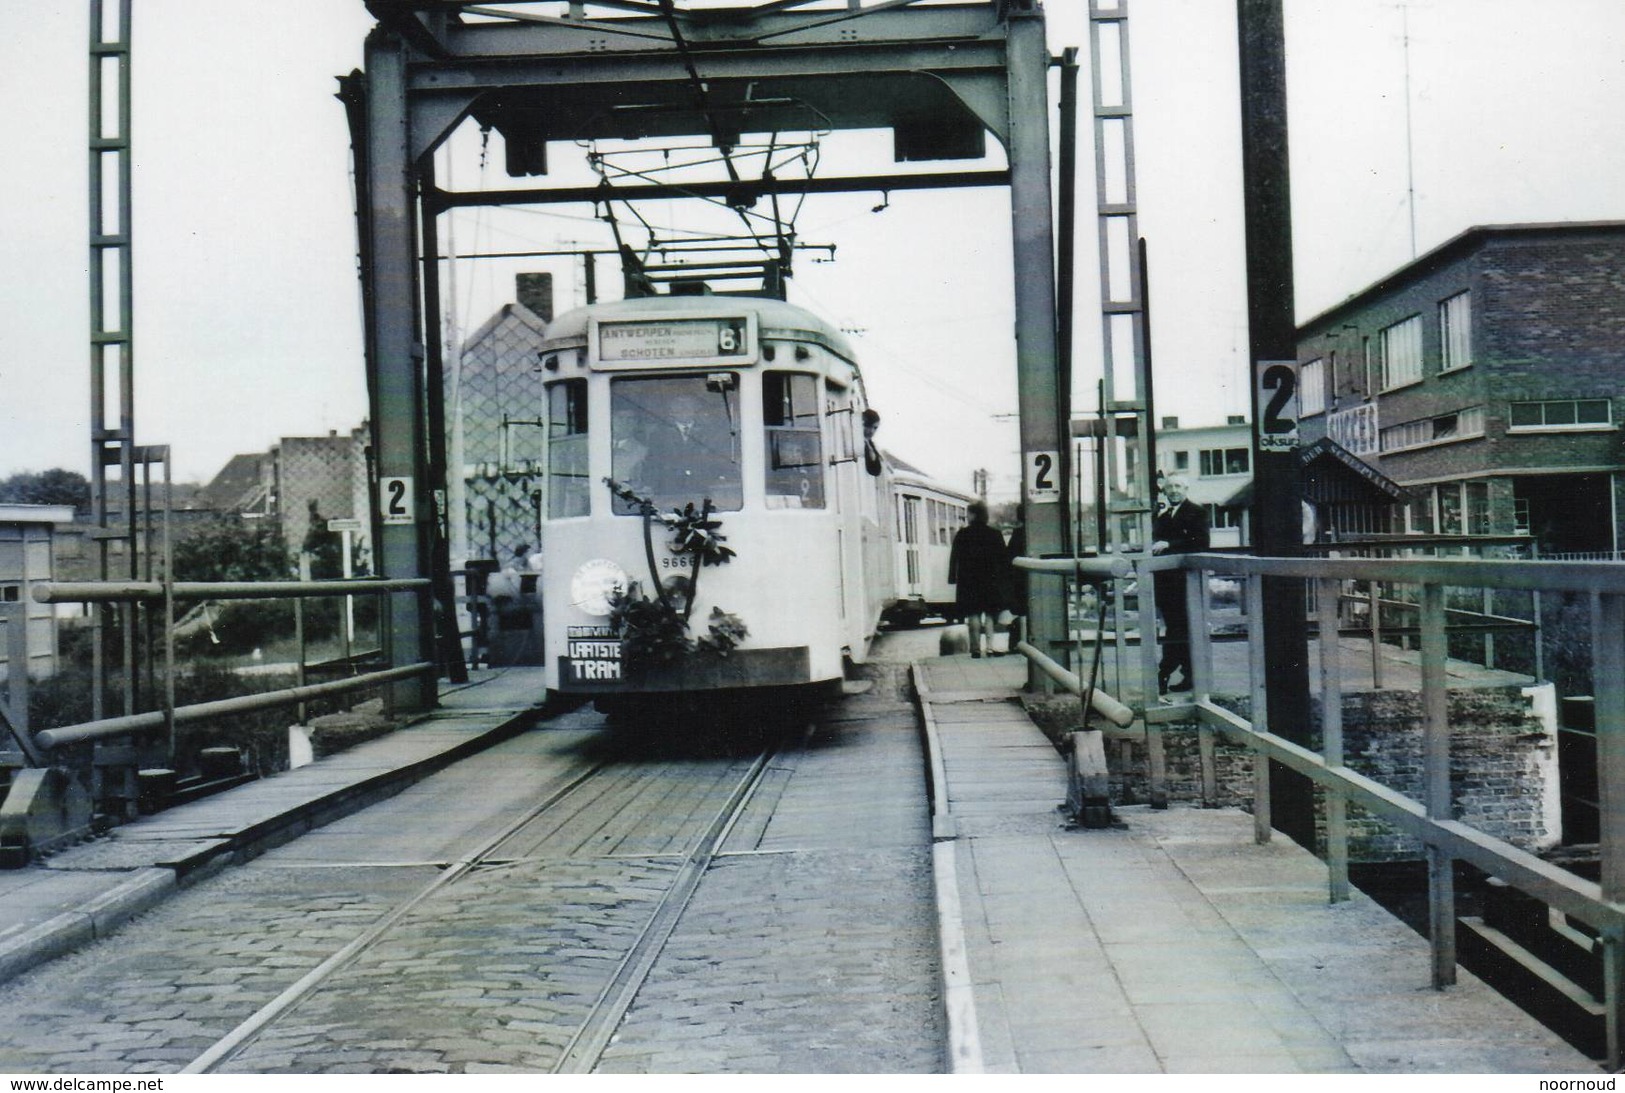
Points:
680	561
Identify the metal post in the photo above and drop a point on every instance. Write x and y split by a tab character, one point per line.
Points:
1033	254
299	631
1259	707
1148	673
1613	991
1067	225
347	632
1201	661
169	612
444	600
1327	593
1436	788
1608	684
1376	637
395	365
1272	336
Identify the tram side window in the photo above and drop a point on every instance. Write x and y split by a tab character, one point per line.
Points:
567	468
794	452
675	440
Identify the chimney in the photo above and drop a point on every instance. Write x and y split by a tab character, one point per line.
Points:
535	292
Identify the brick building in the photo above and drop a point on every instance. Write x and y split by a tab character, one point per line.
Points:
1486	379
282	483
498	404
327	470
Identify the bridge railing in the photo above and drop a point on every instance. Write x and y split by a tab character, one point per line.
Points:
168	715
1430	820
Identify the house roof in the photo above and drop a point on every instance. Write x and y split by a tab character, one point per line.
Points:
237	486
1330	451
1449	251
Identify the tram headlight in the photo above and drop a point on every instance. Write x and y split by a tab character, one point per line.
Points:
592	584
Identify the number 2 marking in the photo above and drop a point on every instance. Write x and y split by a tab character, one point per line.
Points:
1045	464
397	498
1284	382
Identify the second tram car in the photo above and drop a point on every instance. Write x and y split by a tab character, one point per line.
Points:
683	430
926	516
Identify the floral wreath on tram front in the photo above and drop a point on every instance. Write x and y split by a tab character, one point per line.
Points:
656	631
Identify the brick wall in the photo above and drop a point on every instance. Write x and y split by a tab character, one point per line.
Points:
1548	323
1503	767
501	376
320	469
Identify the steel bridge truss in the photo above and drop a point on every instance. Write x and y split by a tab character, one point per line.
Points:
941	76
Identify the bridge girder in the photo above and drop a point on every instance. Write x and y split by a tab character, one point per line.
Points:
937	74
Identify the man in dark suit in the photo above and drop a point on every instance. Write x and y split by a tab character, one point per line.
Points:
690	455
1180	527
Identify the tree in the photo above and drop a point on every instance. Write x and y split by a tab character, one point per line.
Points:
53	487
229	548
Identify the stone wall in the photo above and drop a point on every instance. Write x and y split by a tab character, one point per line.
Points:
1503	769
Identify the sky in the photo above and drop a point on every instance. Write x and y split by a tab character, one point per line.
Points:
1410	122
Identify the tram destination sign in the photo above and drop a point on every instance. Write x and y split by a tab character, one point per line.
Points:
698	342
594	654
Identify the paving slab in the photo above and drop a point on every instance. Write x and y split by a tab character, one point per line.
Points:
1171	942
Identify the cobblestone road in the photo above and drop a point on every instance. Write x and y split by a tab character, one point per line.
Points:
809	947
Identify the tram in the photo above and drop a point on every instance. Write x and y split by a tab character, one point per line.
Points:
927	514
711	520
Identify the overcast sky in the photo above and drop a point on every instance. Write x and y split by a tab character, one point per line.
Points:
247	322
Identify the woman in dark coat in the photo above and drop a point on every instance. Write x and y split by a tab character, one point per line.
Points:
977	568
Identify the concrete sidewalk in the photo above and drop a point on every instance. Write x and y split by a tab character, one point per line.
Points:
1170	942
86	891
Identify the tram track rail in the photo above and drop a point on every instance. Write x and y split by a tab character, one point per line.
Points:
597	1028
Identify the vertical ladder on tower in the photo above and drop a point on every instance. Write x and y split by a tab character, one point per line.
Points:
1124	429
112	358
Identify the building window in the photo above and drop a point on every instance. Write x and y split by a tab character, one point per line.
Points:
1590	413
1224	516
1455	332
1419	514
1312	387
1220	461
1461	425
1478	508
1450	510
1182	461
10	593
1400	347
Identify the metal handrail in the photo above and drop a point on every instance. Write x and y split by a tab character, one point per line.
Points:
1095	570
142	591
1105	567
1429	817
266	700
163	591
1602	577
